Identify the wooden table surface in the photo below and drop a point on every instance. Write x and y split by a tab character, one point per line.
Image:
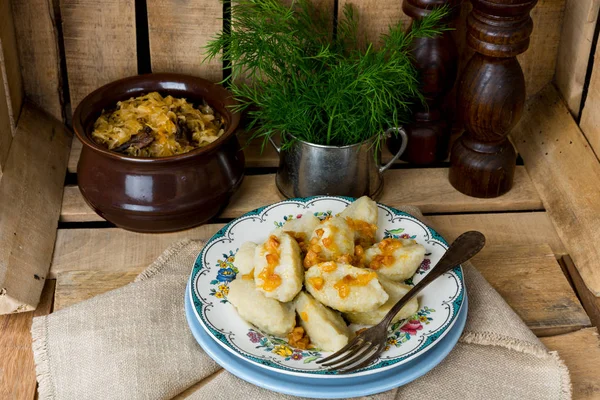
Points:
525	260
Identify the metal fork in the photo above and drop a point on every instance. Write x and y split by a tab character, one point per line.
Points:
367	345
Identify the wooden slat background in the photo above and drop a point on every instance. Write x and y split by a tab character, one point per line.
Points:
427	189
566	174
100	46
36	29
590	116
573	53
30	194
6	125
375	16
11	91
539	62
113	249
100	43
178	33
9	59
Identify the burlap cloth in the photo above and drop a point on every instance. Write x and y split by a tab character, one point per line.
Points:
134	343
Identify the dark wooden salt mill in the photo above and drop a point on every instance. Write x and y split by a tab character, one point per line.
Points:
491	97
436	59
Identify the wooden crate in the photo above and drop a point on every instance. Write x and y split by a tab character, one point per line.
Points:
542	255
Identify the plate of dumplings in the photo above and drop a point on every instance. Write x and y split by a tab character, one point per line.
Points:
290	283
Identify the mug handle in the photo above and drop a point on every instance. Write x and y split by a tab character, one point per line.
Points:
388	134
277	148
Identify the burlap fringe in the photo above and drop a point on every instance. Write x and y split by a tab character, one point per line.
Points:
161	261
39	334
493	339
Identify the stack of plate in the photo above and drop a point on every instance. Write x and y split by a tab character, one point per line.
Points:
269	362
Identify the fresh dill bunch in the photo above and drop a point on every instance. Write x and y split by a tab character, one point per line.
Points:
290	75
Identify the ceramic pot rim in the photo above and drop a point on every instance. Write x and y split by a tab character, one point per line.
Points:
228	100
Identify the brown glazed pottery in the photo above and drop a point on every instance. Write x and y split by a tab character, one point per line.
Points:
158	194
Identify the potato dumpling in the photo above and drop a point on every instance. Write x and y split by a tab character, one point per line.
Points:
362	216
325	327
396	259
278	270
266	314
301	229
344	287
244	258
395	290
331	240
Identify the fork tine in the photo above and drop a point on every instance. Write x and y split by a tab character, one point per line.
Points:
348	354
358	355
356	341
364	363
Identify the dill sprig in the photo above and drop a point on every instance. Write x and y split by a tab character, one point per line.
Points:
291	76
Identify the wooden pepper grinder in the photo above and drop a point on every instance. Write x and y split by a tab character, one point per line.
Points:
436	59
491	97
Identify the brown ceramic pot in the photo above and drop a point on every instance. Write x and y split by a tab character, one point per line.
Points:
158	194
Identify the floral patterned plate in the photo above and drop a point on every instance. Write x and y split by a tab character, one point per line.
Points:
313	388
439	303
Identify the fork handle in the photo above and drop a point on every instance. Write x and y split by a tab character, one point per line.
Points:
462	249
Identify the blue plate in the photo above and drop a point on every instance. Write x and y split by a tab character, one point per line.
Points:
326	388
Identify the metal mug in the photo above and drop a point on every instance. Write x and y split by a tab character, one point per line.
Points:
307	169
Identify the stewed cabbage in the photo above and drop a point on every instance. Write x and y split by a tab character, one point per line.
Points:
155	126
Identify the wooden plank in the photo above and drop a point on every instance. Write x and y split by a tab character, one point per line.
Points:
567	176
581	353
75	286
539	61
576	39
531	281
590	303
37	36
590	117
100	44
179	31
9	59
375	17
427	189
31	193
17	370
531	229
403	186
117	250
528	278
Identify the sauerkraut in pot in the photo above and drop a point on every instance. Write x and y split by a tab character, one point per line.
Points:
155	126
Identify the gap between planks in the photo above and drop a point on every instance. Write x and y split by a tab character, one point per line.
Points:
427	189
